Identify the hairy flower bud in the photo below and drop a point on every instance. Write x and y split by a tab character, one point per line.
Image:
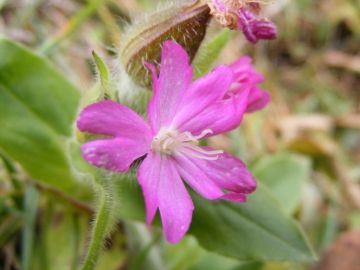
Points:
183	21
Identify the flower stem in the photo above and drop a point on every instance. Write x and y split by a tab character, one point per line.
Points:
103	222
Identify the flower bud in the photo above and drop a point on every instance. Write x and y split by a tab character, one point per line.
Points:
183	21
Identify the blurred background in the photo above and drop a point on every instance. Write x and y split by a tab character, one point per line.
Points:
312	71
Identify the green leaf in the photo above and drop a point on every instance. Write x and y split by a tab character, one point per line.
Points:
58	245
103	72
284	174
214	261
37	108
209	52
184	255
255	230
250	266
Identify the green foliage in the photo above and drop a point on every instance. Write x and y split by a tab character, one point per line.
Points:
209	52
284	175
37	108
104	73
256	230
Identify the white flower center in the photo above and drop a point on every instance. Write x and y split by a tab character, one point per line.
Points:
168	140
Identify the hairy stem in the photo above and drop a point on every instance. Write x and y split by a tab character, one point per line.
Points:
103	222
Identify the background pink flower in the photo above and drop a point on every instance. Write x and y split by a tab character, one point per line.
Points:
246	79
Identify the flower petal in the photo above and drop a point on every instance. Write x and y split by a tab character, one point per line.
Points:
175	205
258	99
227	172
194	174
245	73
113	119
149	177
220	117
235	197
115	154
163	188
201	94
174	78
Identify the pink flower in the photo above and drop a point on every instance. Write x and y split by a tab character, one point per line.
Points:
253	28
179	115
246	79
241	15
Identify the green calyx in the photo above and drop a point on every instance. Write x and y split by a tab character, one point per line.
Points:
184	23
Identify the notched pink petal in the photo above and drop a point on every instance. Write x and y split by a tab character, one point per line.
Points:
163	188
195	176
246	78
259	102
115	154
245	73
220	117
149	177
113	119
227	172
174	78
175	205
204	93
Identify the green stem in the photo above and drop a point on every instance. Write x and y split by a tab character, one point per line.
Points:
103	222
30	209
76	226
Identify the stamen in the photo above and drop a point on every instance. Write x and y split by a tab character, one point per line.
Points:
192	153
168	141
200	150
195	138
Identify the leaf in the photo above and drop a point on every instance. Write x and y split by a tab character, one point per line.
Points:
284	174
209	52
184	255
103	71
61	234
250	266
37	108
257	230
213	261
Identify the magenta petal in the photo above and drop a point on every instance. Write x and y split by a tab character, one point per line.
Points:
115	154
113	119
201	94
245	73
220	117
149	177
227	172
174	78
196	177
258	100
163	188
175	205
235	197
